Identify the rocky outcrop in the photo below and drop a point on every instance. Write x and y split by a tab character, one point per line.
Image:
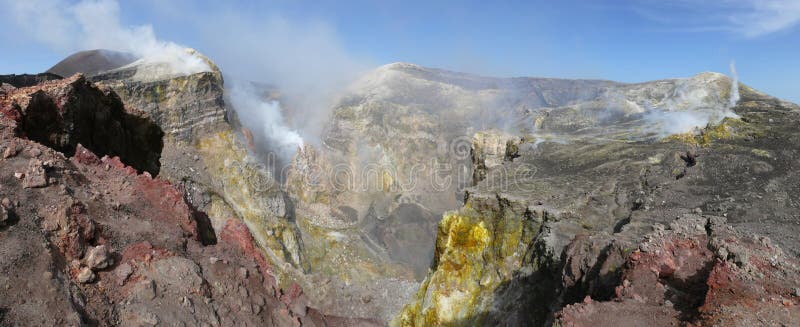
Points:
203	153
702	272
101	244
552	235
64	113
491	149
186	107
25	80
574	201
243	186
405	142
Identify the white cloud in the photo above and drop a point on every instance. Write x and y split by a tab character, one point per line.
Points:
766	16
304	58
747	18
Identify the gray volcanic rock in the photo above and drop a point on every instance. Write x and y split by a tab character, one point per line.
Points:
398	152
208	156
91	62
206	153
557	224
186	107
468	199
101	244
402	116
24	80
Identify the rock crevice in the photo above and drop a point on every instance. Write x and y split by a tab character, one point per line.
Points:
64	113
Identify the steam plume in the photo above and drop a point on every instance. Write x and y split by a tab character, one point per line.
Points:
95	24
734	85
305	61
264	118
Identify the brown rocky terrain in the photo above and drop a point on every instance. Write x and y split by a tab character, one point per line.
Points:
65	113
702	272
683	230
132	196
87	240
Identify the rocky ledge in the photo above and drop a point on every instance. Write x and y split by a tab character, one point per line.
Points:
687	229
63	113
87	239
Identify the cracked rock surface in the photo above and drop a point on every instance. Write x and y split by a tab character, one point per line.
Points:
696	228
89	240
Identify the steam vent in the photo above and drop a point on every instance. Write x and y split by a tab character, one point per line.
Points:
271	177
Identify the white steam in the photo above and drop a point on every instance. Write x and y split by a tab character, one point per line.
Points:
734	86
95	24
306	61
694	103
264	119
665	123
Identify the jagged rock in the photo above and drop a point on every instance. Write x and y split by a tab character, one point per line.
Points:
35	176
64	113
4	216
683	282
10	151
99	257
185	107
203	152
559	232
6	88
25	80
85	275
156	232
598	208
490	149
296	301
122	273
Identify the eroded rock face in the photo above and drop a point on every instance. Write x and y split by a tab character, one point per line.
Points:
206	154
491	149
608	231
185	107
403	128
64	113
689	275
552	215
103	244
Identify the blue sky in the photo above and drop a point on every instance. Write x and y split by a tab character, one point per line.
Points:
627	41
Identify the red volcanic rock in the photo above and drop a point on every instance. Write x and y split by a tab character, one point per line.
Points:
236	232
64	113
84	156
87	239
143	252
295	300
139	235
686	276
166	202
